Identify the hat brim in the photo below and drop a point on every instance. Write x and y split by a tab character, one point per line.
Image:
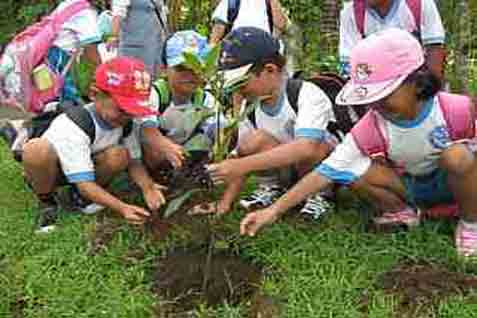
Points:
364	94
135	107
234	76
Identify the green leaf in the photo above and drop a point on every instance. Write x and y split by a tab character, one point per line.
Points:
192	62
211	61
175	204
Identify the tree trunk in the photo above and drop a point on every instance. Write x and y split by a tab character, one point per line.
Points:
462	49
329	25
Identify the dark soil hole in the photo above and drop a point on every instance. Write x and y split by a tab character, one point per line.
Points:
179	279
421	286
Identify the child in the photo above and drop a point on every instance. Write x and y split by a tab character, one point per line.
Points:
413	122
177	97
70	153
284	135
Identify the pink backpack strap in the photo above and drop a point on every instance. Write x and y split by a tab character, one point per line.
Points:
64	15
359	7
416	9
369	137
458	114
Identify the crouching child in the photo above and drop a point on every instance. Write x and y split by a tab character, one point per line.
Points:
87	146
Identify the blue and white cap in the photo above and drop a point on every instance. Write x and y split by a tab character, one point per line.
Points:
185	41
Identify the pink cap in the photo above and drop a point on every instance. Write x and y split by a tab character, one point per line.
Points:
379	65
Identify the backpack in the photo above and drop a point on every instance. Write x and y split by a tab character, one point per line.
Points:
233	7
359	8
457	111
37	83
164	94
331	84
77	114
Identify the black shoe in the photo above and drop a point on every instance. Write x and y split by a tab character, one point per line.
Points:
78	203
8	133
47	217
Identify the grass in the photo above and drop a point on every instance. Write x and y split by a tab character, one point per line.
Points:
315	271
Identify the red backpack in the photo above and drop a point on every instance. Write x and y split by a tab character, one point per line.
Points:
359	7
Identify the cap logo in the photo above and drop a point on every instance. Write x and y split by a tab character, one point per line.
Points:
361	92
142	81
114	79
363	71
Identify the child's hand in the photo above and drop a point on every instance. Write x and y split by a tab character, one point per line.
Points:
226	171
154	197
219	208
254	221
174	153
134	214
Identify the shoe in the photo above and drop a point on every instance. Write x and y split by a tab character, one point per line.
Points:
315	206
8	133
83	205
262	197
47	217
466	239
407	217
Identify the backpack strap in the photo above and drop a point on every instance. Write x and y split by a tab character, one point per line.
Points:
359	8
83	119
416	9
162	90
369	137
458	114
233	7
269	15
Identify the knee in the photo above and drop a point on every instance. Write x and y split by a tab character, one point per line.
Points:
37	152
115	158
457	159
255	142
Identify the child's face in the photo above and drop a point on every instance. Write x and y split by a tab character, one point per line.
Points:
262	84
110	112
398	105
183	81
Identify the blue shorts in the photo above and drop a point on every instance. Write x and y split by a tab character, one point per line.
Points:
428	190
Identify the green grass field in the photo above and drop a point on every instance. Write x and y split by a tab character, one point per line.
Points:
326	270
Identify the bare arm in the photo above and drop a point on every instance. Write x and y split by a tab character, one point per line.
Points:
151	190
280	19
158	143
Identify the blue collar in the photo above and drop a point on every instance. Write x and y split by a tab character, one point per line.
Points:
423	114
392	11
273	110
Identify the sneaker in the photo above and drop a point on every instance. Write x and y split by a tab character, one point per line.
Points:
407	218
315	206
47	217
262	197
83	205
466	239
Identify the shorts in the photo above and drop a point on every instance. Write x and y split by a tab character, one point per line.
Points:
428	190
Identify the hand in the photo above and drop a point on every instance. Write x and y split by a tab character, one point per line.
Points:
210	208
174	153
134	214
226	171
254	221
154	196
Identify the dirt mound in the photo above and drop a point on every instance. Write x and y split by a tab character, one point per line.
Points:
421	286
179	278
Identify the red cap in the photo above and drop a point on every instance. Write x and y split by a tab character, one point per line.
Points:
128	83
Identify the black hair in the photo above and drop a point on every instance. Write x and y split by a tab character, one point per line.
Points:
279	60
427	84
101	4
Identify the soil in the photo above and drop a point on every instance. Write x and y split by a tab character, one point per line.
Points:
179	278
103	234
419	287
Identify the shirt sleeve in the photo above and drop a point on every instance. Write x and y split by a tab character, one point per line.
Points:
346	163
314	113
349	35
120	7
432	30
220	13
151	121
73	150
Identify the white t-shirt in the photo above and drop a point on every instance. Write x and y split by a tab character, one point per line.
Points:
414	146
252	13
174	119
75	150
82	29
281	121
399	16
